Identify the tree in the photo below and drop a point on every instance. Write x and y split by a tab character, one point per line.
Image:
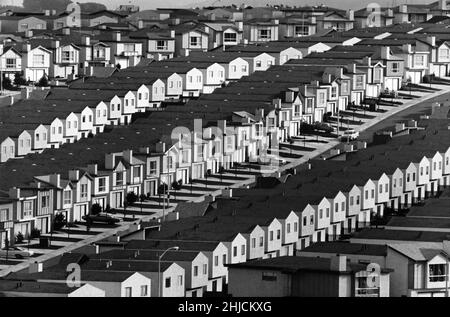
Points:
19	80
162	190
221	172
6	83
131	199
43	82
96	209
19	237
58	221
176	185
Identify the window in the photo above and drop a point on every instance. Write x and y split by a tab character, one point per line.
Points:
10	63
162	45
180	280
311	220
4	215
243	249
128	292
328	212
419	60
129	48
301	30
333	92
229	37
377	74
357	200
336	207
167	282
45	201
380	188
258	63
119	178
261	241
343	206
67	197
205	269
84	191
367	194
373	193
152	167
320	213
67	56
305	220
321	100
244	68
102	184
437	272
194	41
269	276
359	82
271	235
288	229
234	251
144	290
395	68
295	226
216	260
344	87
265	34
278	234
444	53
28	209
253	242
196	270
224	259
38	59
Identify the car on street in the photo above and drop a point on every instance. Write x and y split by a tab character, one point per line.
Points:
15	252
101	218
350	135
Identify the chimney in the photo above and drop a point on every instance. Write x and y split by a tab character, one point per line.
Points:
53	12
276	21
326	78
110	161
140	24
403	8
92	169
385	52
26	47
86	40
14	193
315	83
350	15
259	114
289	96
144	150
47	13
172	34
55	179
117	36
74	175
66	31
176	21
185	52
222	125
431	40
128	156
240	26
277	103
55	43
406	48
161	147
28	34
338	263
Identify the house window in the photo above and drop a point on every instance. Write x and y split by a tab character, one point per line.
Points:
38	59
333	92
258	63
261	241
278	234
119	178
244	68
167	282
45	201
419	61
67	56
437	273
295	226
243	249
395	68
265	34
128	292
216	260
28	209
357	200
129	48
269	276
360	82
328	212
162	45
288	228
234	251
194	41
205	269
152	170
84	191
180	280
305	220
253	243
344	87
102	184
67	197
229	37
321	98
301	30
10	63
311	220
4	215
320	213
196	270
271	235
444	53
144	290
224	259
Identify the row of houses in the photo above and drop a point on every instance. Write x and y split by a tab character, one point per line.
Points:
255	232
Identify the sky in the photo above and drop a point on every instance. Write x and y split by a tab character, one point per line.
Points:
152	4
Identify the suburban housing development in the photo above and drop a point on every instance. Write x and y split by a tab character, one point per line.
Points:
235	151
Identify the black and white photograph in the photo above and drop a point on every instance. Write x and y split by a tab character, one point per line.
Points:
220	155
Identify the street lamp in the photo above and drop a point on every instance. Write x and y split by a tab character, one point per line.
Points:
159	268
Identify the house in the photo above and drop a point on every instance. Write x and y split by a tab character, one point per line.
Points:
36	61
225	34
297	26
336	20
190	37
157	45
10	62
304	276
92	19
373	16
261	30
13	24
125	51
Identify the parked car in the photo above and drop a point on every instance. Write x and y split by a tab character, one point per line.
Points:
349	134
101	219
15	252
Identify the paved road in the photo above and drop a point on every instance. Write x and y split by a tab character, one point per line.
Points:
413	112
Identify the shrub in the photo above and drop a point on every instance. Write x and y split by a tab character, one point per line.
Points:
35	233
58	221
19	237
96	209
